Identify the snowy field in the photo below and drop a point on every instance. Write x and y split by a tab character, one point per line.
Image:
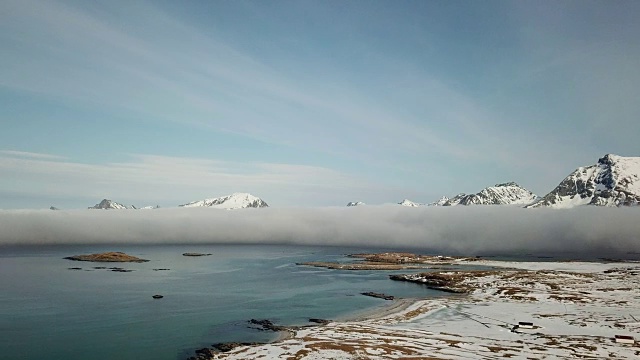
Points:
576	309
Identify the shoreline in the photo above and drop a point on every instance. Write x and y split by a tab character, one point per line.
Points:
379	312
576	307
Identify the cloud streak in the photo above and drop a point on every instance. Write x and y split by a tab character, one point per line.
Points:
166	69
461	230
166	180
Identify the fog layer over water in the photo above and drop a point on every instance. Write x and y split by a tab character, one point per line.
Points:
466	230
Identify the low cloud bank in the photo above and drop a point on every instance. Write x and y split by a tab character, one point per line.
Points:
465	230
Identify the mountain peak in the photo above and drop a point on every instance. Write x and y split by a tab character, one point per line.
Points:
107	204
507	184
234	201
613	181
443	200
609	159
407	202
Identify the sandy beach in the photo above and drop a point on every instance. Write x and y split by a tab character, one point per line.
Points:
566	310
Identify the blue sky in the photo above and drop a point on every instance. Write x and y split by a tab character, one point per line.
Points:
310	103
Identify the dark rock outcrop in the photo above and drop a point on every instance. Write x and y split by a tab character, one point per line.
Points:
378	295
267	325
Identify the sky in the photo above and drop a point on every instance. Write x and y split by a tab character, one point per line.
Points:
308	103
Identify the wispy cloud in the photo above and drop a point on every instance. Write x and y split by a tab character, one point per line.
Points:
175	180
32	155
463	230
169	70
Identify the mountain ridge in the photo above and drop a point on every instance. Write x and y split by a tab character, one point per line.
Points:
230	202
509	193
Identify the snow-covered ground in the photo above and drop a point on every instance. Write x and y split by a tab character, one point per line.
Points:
576	308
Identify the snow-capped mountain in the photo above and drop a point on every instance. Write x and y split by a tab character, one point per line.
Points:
443	200
500	194
106	204
407	202
150	207
456	200
613	181
355	203
229	202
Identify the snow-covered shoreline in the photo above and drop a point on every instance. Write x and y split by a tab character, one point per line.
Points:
576	309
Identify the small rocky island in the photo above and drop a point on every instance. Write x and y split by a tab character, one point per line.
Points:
391	261
195	254
113	256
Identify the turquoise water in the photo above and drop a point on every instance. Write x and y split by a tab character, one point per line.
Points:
49	311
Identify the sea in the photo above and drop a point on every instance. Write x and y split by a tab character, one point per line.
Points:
50	311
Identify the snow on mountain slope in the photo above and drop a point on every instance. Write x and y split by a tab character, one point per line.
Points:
407	202
229	202
500	194
613	181
443	200
355	203
106	204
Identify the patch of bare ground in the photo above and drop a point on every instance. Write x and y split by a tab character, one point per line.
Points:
413	313
352	347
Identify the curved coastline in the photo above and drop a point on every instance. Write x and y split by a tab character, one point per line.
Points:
484	322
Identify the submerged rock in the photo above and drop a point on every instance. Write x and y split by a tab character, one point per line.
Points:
319	321
267	325
157	296
224	347
378	295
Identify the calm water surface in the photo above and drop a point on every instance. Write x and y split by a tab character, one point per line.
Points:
49	311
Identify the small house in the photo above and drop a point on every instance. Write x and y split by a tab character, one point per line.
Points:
525	325
625	339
